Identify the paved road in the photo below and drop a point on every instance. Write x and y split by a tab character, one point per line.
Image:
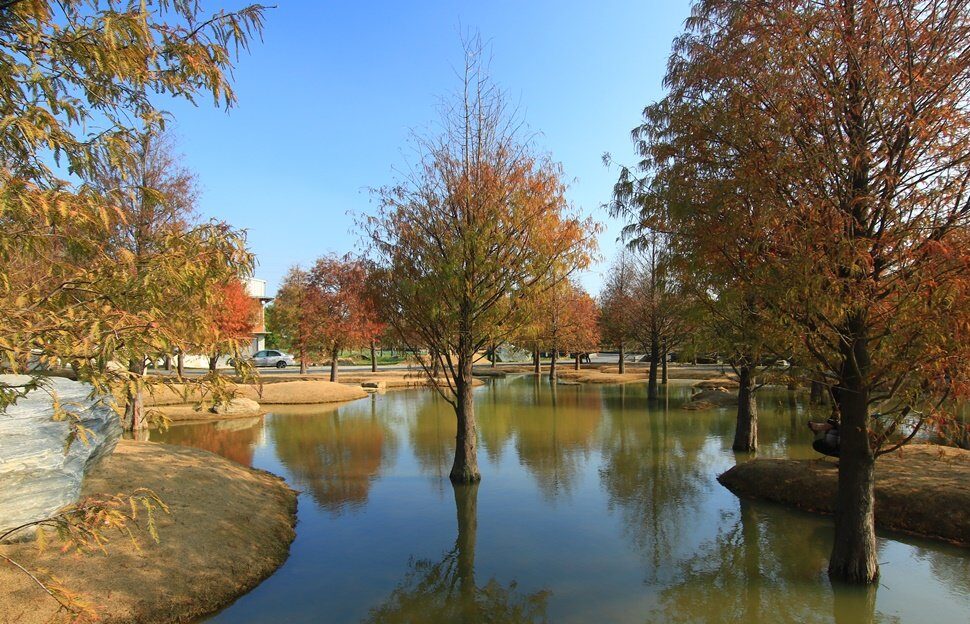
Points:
599	359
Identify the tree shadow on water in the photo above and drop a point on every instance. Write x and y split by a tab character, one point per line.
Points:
447	590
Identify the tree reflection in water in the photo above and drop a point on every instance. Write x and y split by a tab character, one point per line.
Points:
764	567
335	455
447	590
233	439
551	430
554	435
653	472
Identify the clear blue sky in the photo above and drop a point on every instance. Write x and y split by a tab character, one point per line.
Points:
329	98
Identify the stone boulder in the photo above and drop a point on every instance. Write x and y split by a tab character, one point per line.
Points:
39	471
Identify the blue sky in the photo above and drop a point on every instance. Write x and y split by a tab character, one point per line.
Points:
328	100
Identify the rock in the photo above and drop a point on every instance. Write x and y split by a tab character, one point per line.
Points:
374	386
238	405
39	471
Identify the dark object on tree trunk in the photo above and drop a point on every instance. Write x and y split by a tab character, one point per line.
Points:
827	442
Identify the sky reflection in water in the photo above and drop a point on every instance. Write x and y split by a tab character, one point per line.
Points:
595	506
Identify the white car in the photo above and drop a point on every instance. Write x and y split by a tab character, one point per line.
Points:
270	357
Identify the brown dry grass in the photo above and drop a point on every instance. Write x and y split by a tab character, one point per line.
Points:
229	529
395	379
291	391
188	414
717	382
920	489
710	399
300	392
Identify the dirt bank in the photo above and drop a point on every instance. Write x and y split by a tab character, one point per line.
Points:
394	379
710	399
229	529
288	392
921	489
189	413
673	371
300	392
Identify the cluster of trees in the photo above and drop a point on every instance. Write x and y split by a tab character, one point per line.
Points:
642	305
103	263
102	258
808	171
561	319
321	311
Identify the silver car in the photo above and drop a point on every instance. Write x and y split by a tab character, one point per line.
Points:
270	357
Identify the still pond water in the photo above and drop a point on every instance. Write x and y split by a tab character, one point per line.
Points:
596	506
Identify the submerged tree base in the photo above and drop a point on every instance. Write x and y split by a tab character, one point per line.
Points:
230	527
921	489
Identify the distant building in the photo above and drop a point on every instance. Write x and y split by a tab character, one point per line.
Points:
256	288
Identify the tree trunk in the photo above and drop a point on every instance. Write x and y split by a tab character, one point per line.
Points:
180	364
333	365
853	557
494	355
134	406
652	390
465	467
622	359
746	430
663	363
552	366
754	581
535	358
466	507
576	360
213	362
818	393
168	363
373	357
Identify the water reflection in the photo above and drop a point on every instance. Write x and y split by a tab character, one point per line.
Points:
551	431
597	505
447	590
764	567
336	456
233	439
655	478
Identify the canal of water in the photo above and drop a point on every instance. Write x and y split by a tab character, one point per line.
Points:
595	506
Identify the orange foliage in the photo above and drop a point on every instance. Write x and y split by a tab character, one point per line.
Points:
235	313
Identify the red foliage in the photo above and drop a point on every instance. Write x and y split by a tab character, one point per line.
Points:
235	313
348	314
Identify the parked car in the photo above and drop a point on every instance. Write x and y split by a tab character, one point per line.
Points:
271	357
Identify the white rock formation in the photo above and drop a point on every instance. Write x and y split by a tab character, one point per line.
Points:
39	473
